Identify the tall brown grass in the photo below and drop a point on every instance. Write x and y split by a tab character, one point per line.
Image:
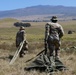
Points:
35	37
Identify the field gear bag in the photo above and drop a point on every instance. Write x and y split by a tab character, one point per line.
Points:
53	38
25	46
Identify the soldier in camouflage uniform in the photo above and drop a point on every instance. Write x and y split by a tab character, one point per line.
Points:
54	32
20	36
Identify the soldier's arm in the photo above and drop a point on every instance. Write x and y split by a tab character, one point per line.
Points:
61	32
23	35
16	40
46	37
47	29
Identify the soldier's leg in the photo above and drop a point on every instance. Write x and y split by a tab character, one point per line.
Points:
25	48
21	53
56	52
57	48
51	49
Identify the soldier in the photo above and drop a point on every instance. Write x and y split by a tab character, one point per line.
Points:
20	36
54	32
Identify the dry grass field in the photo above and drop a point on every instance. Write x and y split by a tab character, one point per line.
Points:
35	37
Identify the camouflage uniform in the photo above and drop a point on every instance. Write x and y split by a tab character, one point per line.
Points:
54	33
19	38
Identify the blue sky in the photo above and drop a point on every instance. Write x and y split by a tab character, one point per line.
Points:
16	4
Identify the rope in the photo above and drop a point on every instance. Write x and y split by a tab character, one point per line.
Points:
17	53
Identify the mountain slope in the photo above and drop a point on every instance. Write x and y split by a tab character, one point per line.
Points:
39	10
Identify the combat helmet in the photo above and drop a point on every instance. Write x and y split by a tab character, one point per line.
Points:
22	28
54	18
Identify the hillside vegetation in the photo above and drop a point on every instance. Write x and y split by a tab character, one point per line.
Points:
35	37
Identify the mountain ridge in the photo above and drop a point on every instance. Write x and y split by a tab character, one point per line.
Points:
40	10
